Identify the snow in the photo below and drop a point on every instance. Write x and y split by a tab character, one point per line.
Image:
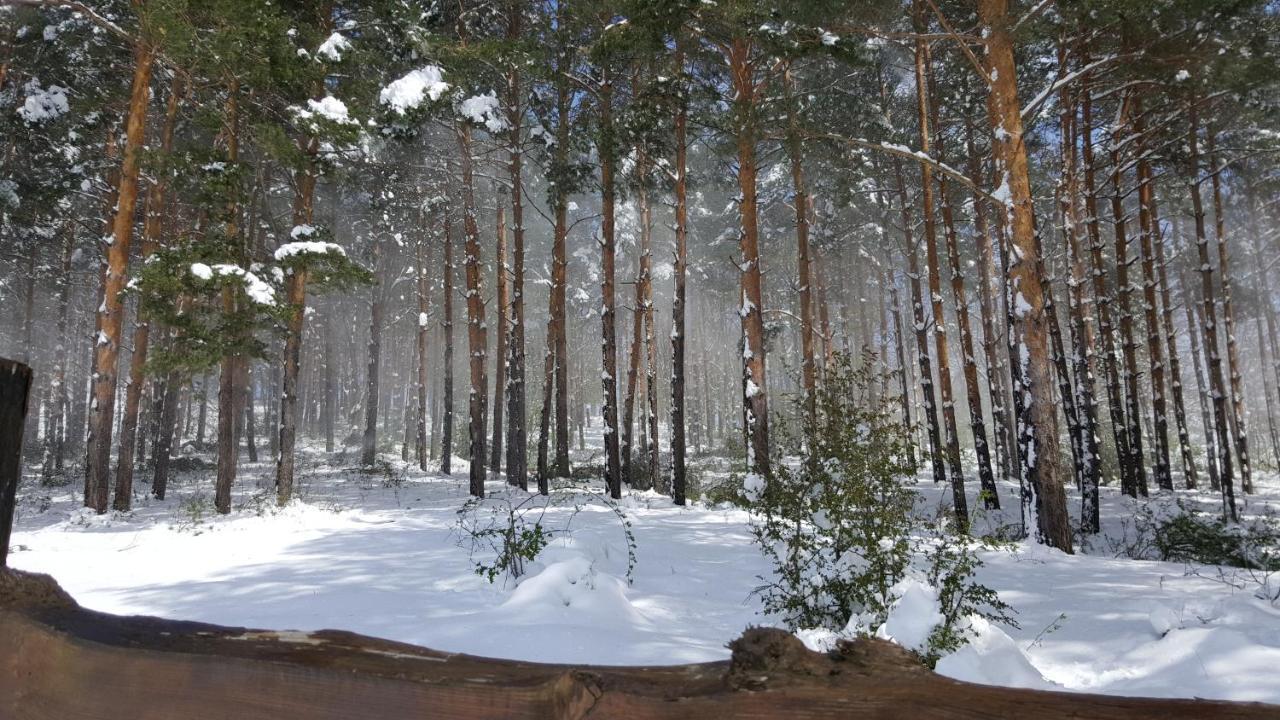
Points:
257	290
333	47
483	110
382	559
43	104
410	91
993	658
307	247
328	107
913	615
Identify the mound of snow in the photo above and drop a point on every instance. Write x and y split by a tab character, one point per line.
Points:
913	615
575	591
993	658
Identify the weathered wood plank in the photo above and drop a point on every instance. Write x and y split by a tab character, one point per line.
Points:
15	387
61	662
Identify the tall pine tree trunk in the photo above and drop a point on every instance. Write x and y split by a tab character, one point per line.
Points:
1206	411
377	308
517	428
951	441
152	224
229	376
1217	385
111	312
679	472
421	450
1228	321
446	422
1101	292
1040	463
1134	477
746	94
477	341
500	355
1149	229
608	318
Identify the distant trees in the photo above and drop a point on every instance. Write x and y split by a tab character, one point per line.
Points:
754	166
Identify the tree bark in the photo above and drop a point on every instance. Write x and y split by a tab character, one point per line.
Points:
1217	386
1134	477
421	450
229	370
1040	464
15	392
1228	321
1206	413
446	424
517	420
608	320
1149	228
501	361
679	472
377	308
111	312
746	93
477	340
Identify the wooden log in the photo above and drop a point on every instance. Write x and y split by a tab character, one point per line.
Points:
15	388
61	662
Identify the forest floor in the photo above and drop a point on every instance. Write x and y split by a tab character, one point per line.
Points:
382	554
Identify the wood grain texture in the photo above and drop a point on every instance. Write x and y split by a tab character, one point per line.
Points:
15	389
61	662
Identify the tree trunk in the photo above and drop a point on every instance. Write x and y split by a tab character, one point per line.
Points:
329	411
517	420
1228	320
229	371
608	320
1081	330
501	361
679	473
477	341
15	394
1175	362
997	378
1040	464
111	312
746	93
1148	223
421	450
1206	415
446	424
1102	294
296	297
154	215
973	394
1217	386
377	308
921	330
808	363
1134	475
56	431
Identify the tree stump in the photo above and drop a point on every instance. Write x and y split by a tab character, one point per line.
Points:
15	387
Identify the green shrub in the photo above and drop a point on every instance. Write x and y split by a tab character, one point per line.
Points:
840	531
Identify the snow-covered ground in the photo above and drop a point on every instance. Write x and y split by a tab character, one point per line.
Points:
359	552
